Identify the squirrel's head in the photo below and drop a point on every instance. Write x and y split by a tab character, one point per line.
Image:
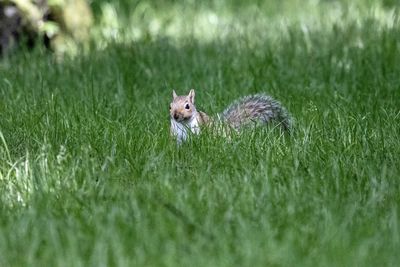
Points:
182	107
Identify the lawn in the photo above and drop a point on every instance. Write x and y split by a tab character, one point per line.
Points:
89	175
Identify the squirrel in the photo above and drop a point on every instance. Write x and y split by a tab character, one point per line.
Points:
261	108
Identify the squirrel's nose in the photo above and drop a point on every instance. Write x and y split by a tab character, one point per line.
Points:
176	116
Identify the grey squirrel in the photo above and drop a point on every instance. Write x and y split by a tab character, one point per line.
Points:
259	108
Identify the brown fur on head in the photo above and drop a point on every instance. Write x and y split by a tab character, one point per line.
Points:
182	107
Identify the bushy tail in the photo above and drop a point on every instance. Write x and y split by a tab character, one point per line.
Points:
258	108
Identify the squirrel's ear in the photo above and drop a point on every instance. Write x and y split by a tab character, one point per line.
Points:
174	95
191	96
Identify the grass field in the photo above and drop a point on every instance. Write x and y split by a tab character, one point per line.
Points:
90	177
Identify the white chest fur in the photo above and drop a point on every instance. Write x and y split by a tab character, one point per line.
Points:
182	129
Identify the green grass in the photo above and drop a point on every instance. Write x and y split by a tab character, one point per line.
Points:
90	177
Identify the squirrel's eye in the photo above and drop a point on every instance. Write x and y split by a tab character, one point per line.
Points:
170	106
187	106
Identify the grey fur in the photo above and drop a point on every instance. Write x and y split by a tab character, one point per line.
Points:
254	109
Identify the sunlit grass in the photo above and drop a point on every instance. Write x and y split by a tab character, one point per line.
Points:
213	21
